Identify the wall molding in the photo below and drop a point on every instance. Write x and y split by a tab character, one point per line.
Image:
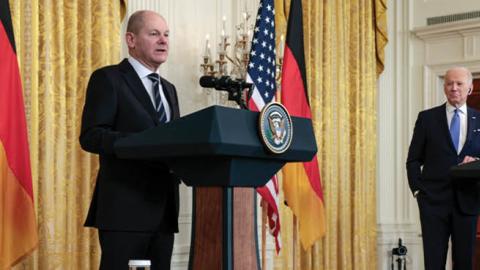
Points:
448	30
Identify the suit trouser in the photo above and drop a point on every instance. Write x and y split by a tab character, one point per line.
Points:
118	247
440	221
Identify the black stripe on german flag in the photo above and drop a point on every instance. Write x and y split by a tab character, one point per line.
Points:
7	22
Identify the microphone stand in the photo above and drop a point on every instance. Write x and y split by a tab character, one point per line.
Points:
401	253
236	94
401	261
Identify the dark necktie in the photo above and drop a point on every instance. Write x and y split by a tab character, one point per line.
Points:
455	129
155	78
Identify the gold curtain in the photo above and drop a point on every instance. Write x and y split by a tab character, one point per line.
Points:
381	37
340	53
59	44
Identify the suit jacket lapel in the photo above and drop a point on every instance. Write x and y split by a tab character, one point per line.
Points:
472	117
137	88
170	96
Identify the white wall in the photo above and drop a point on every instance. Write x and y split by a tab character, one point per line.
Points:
396	210
423	9
417	55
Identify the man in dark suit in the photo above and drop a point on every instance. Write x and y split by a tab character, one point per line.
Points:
445	136
135	203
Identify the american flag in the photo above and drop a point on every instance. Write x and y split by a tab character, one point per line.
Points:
261	72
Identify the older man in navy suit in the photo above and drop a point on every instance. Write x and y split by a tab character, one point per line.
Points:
445	136
135	203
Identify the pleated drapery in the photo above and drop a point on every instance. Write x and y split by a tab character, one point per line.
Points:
59	44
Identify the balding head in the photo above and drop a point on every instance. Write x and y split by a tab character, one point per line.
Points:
147	38
137	20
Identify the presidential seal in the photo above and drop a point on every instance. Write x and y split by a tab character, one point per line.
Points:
276	128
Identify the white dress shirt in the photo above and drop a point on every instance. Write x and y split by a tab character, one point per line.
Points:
142	73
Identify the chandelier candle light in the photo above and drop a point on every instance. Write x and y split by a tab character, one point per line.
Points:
239	57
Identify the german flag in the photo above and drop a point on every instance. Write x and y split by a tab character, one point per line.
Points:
18	229
301	181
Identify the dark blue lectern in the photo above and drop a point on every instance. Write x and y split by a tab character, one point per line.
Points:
218	151
470	171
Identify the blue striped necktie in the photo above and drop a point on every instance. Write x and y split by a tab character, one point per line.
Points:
155	78
455	129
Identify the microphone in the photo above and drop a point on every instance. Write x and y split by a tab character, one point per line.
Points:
223	83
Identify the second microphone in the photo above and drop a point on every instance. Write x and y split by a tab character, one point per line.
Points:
223	83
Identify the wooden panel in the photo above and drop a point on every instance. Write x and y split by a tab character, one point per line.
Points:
208	243
474	99
244	234
210	240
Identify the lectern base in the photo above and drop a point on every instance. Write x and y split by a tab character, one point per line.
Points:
224	229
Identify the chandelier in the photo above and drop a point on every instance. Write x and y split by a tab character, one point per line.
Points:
233	61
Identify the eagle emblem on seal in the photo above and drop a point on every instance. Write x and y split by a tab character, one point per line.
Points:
277	127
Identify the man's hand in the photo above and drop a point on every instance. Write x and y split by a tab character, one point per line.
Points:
468	159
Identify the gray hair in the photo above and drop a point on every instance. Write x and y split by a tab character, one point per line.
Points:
469	73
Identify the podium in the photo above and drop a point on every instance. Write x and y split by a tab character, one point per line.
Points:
219	153
469	171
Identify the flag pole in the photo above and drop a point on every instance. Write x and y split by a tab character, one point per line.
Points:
294	245
264	234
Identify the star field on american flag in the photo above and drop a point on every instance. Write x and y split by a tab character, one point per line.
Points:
261	68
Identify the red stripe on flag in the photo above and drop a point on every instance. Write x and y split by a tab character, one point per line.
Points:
297	105
269	194
13	127
18	229
292	87
312	170
300	186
